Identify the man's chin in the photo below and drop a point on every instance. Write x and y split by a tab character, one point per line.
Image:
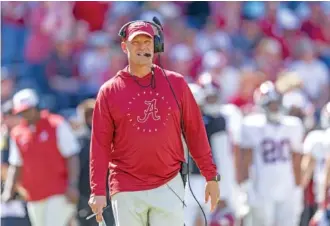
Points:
144	63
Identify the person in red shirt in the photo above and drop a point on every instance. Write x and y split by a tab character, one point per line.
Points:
44	159
136	134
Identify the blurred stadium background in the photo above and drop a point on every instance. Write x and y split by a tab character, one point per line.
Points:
67	50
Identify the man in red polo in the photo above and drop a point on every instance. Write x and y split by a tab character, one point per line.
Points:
43	158
136	133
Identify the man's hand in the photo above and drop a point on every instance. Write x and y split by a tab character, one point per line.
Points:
6	196
72	194
97	203
212	191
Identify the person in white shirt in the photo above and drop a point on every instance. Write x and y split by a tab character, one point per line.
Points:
317	144
271	151
314	73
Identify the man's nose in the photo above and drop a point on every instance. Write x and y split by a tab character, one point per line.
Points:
142	46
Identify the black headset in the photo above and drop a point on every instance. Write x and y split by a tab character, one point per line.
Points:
158	38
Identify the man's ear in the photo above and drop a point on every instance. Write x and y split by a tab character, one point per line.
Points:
124	47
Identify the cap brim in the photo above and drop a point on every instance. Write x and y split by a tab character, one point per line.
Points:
134	34
21	108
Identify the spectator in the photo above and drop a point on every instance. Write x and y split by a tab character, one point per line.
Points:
268	58
244	98
48	20
62	73
212	38
13	31
7	84
216	65
93	13
14	212
313	73
181	57
117	62
294	100
94	61
43	151
197	13
312	25
246	39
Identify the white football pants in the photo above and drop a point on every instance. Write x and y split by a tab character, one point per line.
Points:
53	211
276	213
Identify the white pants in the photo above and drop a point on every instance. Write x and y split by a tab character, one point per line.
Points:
53	211
276	213
155	207
193	211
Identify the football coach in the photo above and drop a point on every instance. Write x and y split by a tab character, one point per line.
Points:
138	122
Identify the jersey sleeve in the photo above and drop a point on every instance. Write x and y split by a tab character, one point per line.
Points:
327	139
313	145
298	137
309	143
246	137
234	126
15	158
67	142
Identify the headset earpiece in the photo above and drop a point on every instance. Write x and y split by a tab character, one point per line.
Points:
158	39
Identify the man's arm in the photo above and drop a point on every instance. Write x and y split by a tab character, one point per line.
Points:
195	135
327	181
101	140
4	172
244	155
296	161
4	157
244	162
69	148
297	151
14	170
308	161
307	168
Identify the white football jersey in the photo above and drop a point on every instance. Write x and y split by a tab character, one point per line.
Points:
234	119
272	171
317	143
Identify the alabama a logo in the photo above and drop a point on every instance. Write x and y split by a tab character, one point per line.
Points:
156	113
151	111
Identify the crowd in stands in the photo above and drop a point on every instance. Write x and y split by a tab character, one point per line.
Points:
67	50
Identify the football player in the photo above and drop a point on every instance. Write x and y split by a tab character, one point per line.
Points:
271	152
207	97
317	144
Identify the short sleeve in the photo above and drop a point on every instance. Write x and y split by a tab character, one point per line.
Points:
327	139
15	158
309	143
246	138
67	142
